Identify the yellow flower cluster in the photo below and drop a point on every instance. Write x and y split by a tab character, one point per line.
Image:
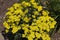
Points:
34	33
30	17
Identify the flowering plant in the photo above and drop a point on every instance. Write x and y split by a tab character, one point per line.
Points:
28	20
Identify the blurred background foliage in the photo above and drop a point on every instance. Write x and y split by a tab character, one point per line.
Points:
54	7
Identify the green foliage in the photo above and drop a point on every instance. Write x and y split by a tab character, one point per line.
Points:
55	5
54	8
59	31
17	36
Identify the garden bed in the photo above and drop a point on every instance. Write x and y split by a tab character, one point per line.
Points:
4	4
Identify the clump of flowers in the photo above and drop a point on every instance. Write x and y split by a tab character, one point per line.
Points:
31	18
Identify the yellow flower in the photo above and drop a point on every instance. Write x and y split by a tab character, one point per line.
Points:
32	34
39	8
33	16
35	5
8	13
8	20
19	27
26	11
33	24
18	11
25	4
36	38
34	20
52	26
48	30
6	30
38	35
26	19
23	35
45	13
11	9
35	28
30	38
47	37
6	25
16	5
15	29
32	1
11	17
36	13
26	29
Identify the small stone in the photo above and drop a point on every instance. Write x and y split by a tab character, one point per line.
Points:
1	37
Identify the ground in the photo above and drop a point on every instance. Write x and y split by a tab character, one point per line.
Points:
4	4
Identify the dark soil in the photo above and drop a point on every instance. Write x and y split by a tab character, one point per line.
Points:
55	36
